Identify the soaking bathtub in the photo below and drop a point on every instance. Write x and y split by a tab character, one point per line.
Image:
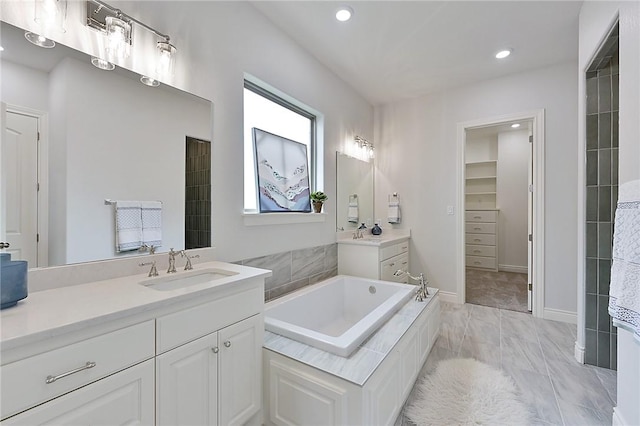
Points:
338	314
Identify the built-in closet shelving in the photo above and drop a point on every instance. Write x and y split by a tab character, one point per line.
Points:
480	185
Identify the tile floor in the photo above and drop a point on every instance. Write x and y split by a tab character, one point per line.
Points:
536	353
504	290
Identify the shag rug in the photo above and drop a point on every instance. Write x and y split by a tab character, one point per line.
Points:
466	392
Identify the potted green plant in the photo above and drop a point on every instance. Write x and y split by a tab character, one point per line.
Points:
317	199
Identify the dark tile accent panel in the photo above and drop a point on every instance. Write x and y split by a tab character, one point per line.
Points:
592	167
292	270
591	276
604	350
197	194
614	351
602	91
592	131
591	344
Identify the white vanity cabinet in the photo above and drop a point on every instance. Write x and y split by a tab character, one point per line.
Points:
214	380
376	261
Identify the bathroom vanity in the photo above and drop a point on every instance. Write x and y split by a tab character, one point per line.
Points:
180	348
376	257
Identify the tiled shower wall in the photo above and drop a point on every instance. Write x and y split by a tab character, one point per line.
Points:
602	195
197	220
296	269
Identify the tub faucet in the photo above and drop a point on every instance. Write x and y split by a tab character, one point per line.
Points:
422	290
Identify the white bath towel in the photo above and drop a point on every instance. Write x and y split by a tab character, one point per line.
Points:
353	213
152	223
624	289
393	215
128	225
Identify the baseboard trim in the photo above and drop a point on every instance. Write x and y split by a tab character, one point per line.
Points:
578	352
513	268
448	296
560	315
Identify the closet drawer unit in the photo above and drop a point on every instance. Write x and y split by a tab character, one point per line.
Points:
480	228
488	251
481	216
394	250
390	266
42	377
481	239
481	262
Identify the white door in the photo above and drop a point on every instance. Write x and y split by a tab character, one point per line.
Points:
187	384
125	398
240	370
530	228
20	185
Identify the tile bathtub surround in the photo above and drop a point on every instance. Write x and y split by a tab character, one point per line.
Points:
601	198
537	354
295	269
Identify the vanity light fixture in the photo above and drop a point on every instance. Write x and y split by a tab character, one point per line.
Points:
364	149
51	15
344	13
503	54
102	64
166	59
39	40
151	82
118	37
515	125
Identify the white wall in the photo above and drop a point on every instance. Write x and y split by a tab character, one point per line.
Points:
24	86
417	158
596	18
480	148
511	199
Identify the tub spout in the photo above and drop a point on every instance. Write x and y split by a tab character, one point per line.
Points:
423	292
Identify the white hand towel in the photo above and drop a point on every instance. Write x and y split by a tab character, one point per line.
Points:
152	223
352	211
624	289
128	225
393	215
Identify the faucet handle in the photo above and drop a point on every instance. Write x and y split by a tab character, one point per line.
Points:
188	266
153	272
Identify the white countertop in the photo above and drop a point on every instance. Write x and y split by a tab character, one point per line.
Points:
45	314
383	240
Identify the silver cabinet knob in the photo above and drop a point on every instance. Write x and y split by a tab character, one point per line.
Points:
215	350
227	344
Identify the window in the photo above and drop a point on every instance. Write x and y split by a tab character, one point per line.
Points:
266	111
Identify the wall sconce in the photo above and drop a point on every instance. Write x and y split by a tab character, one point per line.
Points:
118	28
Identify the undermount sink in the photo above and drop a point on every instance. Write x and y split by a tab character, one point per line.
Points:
186	279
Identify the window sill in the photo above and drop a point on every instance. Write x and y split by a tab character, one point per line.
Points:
259	219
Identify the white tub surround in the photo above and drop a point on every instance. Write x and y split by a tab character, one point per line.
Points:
338	314
374	256
369	387
137	350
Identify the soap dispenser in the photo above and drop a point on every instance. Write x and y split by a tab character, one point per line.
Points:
362	226
376	230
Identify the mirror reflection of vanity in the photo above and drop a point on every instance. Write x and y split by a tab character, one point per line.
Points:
354	189
104	136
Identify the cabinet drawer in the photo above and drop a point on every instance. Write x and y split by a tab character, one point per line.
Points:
480	228
481	262
489	251
481	216
481	239
394	250
24	383
389	266
184	326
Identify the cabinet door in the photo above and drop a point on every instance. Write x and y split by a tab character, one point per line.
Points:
187	383
125	398
240	370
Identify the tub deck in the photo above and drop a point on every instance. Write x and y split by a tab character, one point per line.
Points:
364	361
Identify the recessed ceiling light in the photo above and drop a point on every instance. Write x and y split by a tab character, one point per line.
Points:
503	54
1	49
515	125
344	13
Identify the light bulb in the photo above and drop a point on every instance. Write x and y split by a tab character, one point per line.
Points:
344	14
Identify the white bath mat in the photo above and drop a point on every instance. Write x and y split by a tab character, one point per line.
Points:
467	392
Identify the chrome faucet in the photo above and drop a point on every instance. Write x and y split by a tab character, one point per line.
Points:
422	290
172	261
153	272
188	266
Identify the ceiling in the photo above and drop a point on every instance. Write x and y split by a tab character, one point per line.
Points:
392	50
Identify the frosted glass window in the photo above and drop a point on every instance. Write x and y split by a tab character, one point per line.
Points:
268	112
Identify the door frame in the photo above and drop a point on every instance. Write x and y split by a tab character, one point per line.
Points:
537	117
43	178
